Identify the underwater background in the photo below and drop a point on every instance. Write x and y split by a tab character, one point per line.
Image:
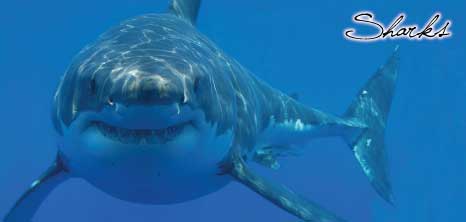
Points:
296	46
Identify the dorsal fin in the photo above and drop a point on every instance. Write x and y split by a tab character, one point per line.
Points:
185	9
295	96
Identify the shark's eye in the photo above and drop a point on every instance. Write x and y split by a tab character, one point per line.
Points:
110	101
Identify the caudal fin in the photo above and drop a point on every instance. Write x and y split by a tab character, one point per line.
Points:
371	107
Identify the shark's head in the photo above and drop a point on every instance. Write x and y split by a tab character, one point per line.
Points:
146	113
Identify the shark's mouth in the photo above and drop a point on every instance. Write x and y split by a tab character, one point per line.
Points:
140	136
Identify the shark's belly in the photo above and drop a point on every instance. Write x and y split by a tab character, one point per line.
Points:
178	171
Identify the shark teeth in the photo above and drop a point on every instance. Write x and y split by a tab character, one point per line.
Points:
140	136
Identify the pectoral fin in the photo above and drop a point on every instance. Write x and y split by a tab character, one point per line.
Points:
281	195
30	201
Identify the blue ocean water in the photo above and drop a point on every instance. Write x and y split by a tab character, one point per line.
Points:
296	46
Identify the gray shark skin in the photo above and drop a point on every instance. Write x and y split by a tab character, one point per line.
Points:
153	112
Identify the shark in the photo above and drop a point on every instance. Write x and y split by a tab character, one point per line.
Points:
153	112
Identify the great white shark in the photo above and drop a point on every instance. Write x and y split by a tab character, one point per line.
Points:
153	112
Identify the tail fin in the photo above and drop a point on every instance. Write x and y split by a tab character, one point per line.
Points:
371	107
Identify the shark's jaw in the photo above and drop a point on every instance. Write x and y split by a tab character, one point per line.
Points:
140	136
119	128
147	154
140	125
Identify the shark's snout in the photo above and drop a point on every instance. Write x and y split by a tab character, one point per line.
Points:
150	90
